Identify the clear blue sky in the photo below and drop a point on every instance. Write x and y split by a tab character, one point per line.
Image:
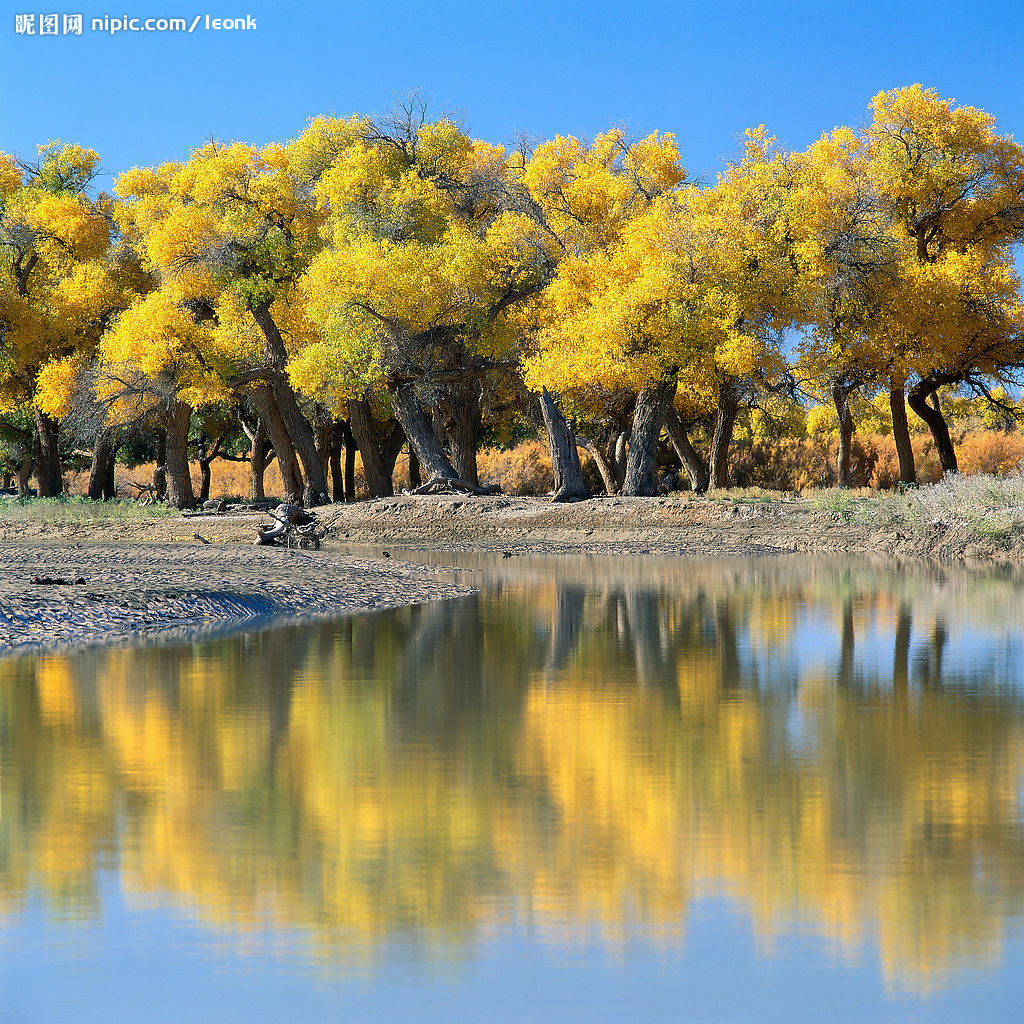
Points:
704	70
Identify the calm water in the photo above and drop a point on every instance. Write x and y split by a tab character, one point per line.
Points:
600	790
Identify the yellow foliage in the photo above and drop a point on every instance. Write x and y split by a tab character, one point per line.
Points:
57	383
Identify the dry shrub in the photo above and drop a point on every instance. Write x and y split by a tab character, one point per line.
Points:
792	464
227	480
992	452
886	473
798	464
525	469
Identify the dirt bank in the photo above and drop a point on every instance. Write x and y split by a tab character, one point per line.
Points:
600	525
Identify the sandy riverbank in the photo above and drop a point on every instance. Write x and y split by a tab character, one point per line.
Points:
123	591
183	575
602	525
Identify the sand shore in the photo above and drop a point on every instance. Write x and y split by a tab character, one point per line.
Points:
130	591
185	575
617	525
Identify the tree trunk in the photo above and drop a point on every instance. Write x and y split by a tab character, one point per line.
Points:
565	459
378	455
49	480
296	426
721	438
101	474
460	420
350	461
608	477
692	462
160	470
259	451
652	405
28	464
337	475
204	479
179	477
433	460
931	413
901	433
287	461
415	479
323	438
841	398
616	456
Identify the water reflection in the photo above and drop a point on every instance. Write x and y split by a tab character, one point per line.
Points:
585	746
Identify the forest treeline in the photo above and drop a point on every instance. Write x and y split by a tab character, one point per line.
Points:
387	283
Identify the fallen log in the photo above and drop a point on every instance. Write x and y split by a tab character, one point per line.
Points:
294	526
452	485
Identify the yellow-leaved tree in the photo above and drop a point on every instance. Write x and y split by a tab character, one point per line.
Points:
227	234
849	272
953	190
433	257
587	196
695	291
63	276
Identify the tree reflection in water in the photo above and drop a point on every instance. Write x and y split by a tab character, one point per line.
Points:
586	744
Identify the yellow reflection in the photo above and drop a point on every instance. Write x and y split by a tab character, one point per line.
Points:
592	753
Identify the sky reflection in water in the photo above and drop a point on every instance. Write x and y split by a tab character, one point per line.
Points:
602	789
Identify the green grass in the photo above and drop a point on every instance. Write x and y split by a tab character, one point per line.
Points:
64	510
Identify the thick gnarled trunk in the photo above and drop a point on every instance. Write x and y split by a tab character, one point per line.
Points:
259	457
841	399
295	425
323	437
433	459
610	460
652	406
901	433
460	419
287	461
49	478
565	459
721	438
379	452
101	474
179	477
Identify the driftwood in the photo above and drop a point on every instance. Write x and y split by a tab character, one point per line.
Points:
144	493
451	485
294	527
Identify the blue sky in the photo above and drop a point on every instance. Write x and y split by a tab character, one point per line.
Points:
704	70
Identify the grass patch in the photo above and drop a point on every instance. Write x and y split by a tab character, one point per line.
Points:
991	507
69	509
839	501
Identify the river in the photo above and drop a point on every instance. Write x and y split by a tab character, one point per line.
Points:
600	789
